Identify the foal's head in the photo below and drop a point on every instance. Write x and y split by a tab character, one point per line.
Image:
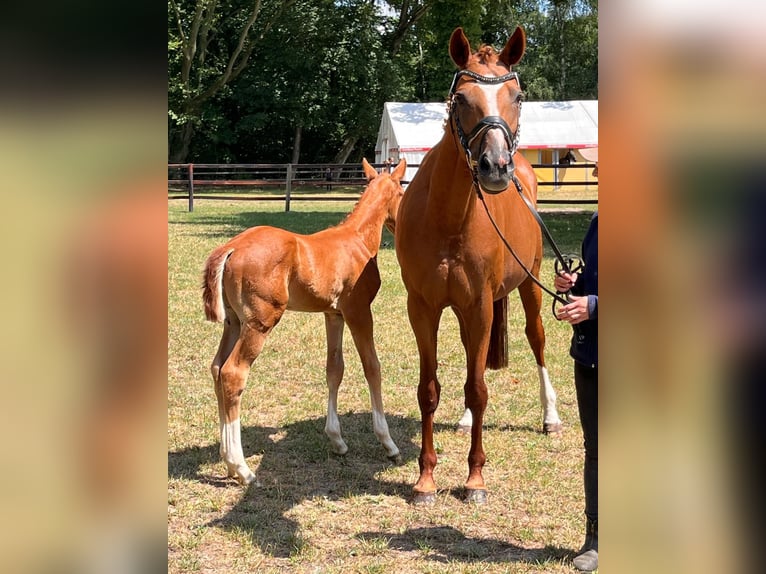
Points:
388	187
485	102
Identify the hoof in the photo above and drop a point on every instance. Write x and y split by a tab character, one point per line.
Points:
396	458
553	428
248	480
476	495
424	498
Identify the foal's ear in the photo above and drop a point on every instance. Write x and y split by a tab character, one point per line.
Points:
369	172
514	47
398	173
459	48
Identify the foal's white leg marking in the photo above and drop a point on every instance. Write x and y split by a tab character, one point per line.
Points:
379	423
466	421
547	397
231	451
332	425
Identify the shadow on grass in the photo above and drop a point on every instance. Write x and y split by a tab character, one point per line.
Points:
302	222
567	228
447	544
297	465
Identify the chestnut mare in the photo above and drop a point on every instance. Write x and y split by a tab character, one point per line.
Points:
253	279
451	256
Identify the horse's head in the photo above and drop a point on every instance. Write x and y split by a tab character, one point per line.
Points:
484	107
391	192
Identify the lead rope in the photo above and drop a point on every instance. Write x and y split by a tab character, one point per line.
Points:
556	296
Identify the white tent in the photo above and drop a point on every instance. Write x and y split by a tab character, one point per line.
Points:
409	130
557	125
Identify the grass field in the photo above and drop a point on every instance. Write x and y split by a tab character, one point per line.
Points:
316	512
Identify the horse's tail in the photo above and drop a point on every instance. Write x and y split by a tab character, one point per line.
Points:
497	356
212	285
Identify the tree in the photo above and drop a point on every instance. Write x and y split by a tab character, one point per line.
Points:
254	81
209	45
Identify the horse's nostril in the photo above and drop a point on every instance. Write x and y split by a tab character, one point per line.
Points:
484	164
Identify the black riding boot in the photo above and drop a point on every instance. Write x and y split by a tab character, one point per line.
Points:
587	558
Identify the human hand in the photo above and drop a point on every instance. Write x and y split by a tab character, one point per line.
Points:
564	281
575	312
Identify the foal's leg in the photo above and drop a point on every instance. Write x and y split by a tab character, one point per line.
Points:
233	376
334	328
475	324
425	324
531	299
231	329
360	324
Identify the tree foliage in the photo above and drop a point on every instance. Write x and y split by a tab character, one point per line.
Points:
306	80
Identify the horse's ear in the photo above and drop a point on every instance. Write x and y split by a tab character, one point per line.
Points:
369	172
514	47
398	173
459	48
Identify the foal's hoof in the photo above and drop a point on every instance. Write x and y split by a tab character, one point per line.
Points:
396	458
476	495
553	428
423	498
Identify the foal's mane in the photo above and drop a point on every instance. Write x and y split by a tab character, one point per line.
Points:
359	201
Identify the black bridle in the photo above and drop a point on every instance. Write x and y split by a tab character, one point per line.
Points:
569	263
486	123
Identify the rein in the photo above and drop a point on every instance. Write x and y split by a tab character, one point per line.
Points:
569	263
565	262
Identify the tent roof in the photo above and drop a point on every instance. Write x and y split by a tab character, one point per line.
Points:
572	124
414	126
419	126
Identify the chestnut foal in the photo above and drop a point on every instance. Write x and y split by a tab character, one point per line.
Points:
253	279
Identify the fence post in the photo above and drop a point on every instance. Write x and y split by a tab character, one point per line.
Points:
191	187
288	185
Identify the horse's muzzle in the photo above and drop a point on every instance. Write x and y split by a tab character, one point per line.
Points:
495	169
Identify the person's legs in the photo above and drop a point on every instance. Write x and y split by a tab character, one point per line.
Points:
586	384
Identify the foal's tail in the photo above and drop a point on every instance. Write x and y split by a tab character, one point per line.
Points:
497	356
212	284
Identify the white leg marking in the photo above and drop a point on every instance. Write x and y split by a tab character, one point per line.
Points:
231	447
332	425
380	427
547	397
467	420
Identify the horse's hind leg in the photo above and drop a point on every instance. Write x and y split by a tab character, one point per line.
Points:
231	329
233	377
531	299
334	328
360	325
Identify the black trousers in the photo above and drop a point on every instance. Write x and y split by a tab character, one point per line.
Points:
586	384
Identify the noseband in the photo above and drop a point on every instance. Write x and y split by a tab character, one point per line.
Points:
485	124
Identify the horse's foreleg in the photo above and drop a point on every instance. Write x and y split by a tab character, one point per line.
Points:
334	370
360	324
475	323
233	377
531	299
425	323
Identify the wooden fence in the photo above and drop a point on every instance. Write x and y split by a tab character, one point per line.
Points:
315	182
